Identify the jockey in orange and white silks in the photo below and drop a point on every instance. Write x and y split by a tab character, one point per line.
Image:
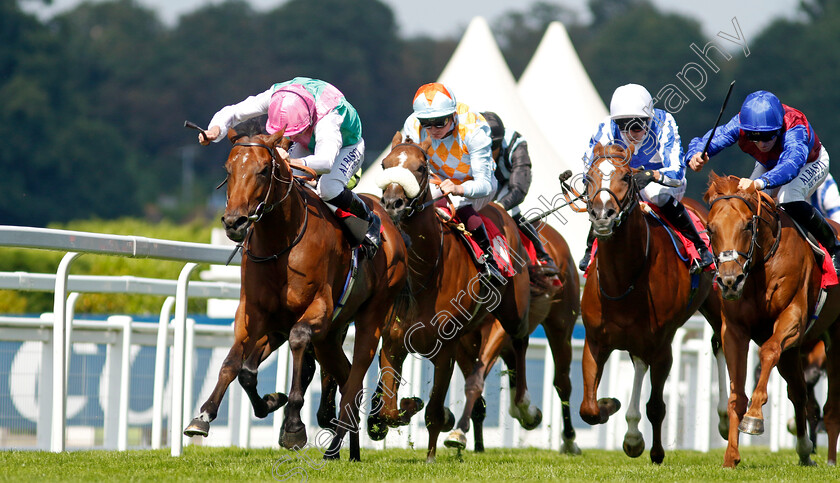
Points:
327	136
653	133
459	154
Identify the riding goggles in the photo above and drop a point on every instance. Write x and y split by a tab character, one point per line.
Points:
632	123
436	122
761	136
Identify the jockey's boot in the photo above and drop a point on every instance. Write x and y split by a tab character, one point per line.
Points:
813	221
364	225
677	215
491	270
547	265
584	262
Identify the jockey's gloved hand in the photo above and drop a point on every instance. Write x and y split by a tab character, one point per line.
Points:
644	178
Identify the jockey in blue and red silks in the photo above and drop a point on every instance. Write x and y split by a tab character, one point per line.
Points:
653	133
791	163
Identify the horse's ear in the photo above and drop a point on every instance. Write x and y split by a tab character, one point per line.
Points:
275	139
713	191
233	135
397	139
630	150
426	146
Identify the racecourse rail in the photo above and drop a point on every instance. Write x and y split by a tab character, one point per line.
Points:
691	394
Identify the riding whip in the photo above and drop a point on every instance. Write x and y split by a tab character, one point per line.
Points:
708	141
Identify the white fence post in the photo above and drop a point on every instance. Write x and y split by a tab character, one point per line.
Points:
160	372
177	377
59	380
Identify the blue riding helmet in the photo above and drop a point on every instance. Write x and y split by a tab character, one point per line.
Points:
761	111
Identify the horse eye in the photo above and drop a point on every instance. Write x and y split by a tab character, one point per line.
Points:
626	177
265	172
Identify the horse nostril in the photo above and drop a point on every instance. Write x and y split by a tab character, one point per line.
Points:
738	280
398	204
610	213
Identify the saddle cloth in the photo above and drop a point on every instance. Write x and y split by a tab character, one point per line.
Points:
498	242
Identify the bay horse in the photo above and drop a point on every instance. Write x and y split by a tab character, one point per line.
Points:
556	307
770	282
296	262
638	293
449	293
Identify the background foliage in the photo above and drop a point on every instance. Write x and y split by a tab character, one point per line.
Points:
92	101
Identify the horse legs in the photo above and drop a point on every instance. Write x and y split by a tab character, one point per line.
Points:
528	415
475	371
592	363
385	412
634	443
560	342
248	378
364	349
723	417
293	434
790	368
439	417
327	408
200	426
656	404
831	410
735	347
478	414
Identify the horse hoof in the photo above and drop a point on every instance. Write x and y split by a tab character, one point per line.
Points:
293	440
409	406
536	421
275	401
448	420
570	447
456	439
807	462
197	427
608	406
377	430
791	426
633	446
751	425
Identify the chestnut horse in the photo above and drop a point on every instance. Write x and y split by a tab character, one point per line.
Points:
295	265
556	307
770	282
450	295
639	292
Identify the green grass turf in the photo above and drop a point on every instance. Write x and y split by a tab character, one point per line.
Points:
234	464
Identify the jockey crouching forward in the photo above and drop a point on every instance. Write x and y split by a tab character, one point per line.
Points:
654	135
513	175
791	163
460	155
327	136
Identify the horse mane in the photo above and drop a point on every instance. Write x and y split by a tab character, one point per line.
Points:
722	186
251	127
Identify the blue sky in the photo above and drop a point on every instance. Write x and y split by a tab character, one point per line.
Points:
451	17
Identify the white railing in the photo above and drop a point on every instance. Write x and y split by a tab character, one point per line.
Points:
691	392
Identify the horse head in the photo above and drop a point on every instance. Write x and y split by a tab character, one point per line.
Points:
405	178
258	180
611	193
734	231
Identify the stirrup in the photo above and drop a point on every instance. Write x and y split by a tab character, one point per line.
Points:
491	271
547	267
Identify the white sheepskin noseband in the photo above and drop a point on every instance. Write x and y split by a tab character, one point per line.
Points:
401	176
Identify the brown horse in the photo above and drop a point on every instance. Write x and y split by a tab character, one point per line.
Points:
450	294
770	282
295	266
639	292
556	307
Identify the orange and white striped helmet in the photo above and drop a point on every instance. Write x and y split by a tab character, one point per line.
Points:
433	100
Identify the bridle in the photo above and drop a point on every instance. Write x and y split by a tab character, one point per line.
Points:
263	207
625	209
413	205
630	202
733	255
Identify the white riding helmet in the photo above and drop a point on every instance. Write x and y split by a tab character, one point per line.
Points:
433	100
631	100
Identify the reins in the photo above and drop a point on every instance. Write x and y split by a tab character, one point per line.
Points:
732	255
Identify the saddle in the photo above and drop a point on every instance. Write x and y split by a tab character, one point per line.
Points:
498	242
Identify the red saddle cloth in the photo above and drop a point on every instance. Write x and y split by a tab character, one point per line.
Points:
687	250
829	275
498	244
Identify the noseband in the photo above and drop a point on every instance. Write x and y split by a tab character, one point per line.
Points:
412	206
732	255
